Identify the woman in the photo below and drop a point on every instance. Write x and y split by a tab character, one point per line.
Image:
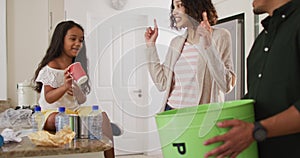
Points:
198	68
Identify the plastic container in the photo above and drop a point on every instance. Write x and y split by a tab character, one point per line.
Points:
37	119
27	96
61	119
95	123
183	131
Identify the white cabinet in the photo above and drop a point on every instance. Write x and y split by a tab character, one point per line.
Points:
3	64
56	14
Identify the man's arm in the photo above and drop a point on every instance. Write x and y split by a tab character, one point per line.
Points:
239	137
284	123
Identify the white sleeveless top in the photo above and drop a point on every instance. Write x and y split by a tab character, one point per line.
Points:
54	78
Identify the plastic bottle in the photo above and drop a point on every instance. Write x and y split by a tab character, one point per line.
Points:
61	119
95	123
37	119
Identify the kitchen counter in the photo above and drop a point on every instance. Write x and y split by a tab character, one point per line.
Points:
27	149
5	104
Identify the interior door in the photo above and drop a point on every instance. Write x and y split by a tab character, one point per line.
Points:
119	76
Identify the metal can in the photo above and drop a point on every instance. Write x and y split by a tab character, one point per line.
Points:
83	126
74	124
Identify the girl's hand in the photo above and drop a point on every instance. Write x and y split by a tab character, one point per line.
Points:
151	35
205	31
68	83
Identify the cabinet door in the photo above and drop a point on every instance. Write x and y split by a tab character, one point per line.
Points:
3	56
56	14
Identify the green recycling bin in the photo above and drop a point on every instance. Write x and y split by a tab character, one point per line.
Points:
183	131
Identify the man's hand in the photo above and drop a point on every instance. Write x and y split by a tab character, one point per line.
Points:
237	139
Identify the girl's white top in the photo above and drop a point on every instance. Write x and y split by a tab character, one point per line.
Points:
54	78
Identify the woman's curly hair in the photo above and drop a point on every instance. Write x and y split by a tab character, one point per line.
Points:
194	9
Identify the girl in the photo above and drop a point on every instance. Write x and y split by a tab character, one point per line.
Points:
198	66
54	82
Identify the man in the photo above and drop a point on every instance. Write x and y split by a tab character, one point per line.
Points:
274	83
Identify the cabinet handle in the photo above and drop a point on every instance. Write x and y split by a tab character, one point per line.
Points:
65	15
50	20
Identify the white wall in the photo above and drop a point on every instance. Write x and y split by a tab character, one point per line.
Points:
27	40
3	63
81	12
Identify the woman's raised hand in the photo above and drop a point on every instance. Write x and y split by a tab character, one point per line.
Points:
151	35
205	31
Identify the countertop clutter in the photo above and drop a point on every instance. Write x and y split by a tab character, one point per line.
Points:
27	149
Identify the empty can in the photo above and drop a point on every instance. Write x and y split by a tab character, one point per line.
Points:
83	127
74	124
